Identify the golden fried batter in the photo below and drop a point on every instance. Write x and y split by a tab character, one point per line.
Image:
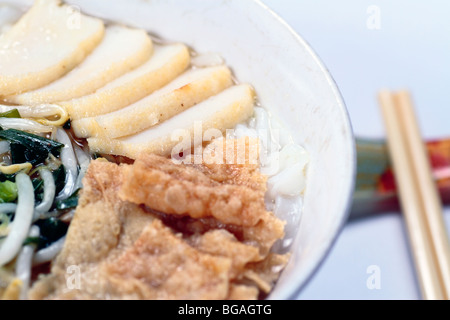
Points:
235	162
123	250
171	188
100	230
224	244
243	292
231	193
265	273
161	265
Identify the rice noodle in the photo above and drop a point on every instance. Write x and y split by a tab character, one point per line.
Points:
285	138
49	193
262	127
284	162
69	161
24	125
4	147
41	113
281	159
23	264
49	253
287	182
22	219
207	60
288	209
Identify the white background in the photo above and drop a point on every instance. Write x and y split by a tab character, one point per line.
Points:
410	50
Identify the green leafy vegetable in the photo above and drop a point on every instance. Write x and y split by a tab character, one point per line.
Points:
7	177
14	113
67	125
70	202
51	230
27	147
8	192
17	153
31	241
60	178
38	185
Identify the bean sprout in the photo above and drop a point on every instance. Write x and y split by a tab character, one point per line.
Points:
14	168
23	265
69	161
48	254
49	214
83	160
24	125
41	113
4	147
22	220
8	207
49	193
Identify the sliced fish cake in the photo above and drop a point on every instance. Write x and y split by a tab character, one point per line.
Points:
42	46
187	90
166	63
223	111
121	50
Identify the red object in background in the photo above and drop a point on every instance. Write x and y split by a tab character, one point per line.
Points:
375	184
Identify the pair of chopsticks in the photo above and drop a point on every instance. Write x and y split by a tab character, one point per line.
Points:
419	197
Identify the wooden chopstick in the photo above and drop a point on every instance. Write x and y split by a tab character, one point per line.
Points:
428	189
418	196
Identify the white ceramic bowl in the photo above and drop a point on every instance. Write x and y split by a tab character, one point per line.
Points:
290	81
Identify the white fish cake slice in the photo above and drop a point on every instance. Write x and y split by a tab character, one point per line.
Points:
184	92
216	114
121	50
42	46
166	63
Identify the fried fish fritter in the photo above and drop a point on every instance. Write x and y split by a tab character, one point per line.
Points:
174	189
123	250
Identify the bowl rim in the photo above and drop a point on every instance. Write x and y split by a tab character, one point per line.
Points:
304	278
